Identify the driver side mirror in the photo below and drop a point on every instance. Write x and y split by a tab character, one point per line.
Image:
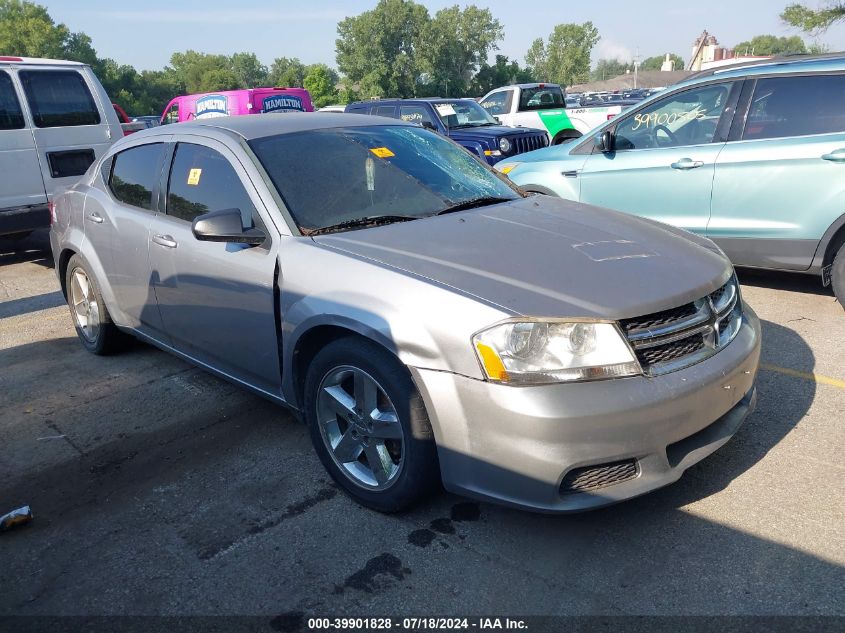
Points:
225	226
604	142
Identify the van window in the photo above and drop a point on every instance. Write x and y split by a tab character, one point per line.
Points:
11	117
135	172
59	98
796	106
203	180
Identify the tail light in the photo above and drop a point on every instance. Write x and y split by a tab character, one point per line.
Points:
52	207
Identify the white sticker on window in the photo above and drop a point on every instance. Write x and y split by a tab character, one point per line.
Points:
445	109
371	174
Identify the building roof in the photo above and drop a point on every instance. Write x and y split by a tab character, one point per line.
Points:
645	79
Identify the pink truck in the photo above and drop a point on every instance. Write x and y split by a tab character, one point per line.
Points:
232	102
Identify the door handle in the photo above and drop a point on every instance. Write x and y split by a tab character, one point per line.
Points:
836	156
687	163
95	217
164	240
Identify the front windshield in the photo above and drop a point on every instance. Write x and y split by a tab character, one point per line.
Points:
463	113
540	98
339	175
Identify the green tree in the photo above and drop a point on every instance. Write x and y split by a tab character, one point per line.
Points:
26	29
608	69
813	20
565	58
250	72
377	50
287	72
201	72
457	43
321	83
504	72
656	62
771	45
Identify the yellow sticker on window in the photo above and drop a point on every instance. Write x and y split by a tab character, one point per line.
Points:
194	176
382	152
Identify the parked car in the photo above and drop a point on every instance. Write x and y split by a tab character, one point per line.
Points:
128	126
543	106
55	120
332	108
751	156
236	102
462	120
378	279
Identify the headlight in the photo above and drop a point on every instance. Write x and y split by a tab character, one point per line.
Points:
504	145
530	352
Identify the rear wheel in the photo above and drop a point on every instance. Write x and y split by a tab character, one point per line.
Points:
369	426
837	276
90	317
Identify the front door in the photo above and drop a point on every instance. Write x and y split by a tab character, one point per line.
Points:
216	299
664	158
776	190
21	185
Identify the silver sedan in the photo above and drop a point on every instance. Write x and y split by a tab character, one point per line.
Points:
427	320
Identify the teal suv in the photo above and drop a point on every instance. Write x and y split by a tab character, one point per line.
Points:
752	157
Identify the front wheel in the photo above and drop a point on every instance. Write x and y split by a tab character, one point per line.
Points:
369	425
837	276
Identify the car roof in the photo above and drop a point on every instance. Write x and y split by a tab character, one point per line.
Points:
252	126
774	65
36	61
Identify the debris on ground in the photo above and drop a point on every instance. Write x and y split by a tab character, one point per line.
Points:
21	516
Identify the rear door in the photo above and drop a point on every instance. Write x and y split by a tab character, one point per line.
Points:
70	126
21	184
216	299
664	159
778	187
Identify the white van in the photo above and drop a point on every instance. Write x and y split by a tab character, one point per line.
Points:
55	120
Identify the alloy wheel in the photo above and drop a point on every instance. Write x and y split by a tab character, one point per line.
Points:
86	310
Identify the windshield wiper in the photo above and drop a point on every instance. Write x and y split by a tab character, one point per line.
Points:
474	203
370	220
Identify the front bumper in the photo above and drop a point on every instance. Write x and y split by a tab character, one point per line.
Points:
516	445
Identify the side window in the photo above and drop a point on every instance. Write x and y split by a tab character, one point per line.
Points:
134	174
203	180
59	98
684	118
796	106
385	111
498	102
11	117
415	114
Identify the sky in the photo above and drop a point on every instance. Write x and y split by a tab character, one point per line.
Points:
145	34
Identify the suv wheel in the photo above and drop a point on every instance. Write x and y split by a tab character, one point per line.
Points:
90	316
369	426
837	275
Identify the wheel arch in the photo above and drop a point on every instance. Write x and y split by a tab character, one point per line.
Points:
61	268
566	135
830	243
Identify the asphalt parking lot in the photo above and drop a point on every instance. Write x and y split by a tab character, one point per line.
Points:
159	489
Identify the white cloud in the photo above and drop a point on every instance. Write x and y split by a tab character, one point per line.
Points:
608	49
218	16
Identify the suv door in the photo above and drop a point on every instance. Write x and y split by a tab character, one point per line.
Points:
664	158
216	299
71	129
21	184
777	186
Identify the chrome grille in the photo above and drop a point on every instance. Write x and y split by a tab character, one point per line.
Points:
679	337
529	142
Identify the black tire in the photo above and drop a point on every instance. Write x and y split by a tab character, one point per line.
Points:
568	135
837	276
108	338
419	475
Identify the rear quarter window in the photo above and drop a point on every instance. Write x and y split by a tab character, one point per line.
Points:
11	117
59	98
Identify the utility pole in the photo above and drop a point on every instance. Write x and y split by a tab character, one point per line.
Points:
636	66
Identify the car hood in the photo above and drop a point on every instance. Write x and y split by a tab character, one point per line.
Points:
544	256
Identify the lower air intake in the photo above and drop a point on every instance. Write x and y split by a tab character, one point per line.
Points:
589	478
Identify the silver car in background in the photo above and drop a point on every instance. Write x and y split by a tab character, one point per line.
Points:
425	318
